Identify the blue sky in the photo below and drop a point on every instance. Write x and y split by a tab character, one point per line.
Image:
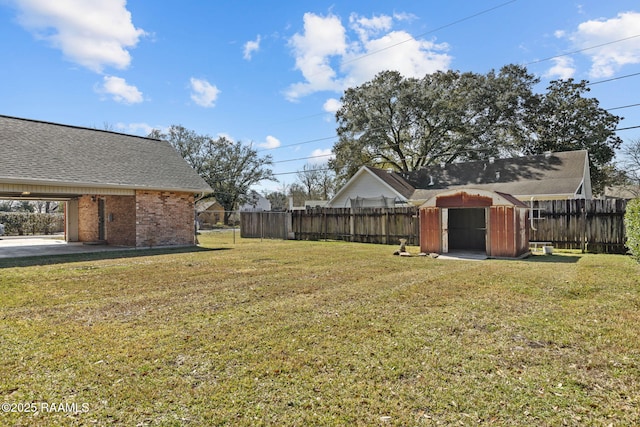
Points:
272	73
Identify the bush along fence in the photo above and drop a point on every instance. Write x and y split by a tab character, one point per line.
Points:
24	223
589	225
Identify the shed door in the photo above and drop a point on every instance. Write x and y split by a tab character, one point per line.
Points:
430	230
467	229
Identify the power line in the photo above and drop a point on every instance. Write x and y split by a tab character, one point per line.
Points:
303	158
442	27
298	143
430	31
624	106
581	50
627	128
613	79
291	173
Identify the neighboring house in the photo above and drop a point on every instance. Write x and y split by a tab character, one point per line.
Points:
255	203
210	213
373	187
627	192
119	189
550	176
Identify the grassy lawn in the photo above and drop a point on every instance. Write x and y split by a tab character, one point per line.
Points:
320	333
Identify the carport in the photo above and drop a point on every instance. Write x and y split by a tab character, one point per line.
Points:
117	189
475	220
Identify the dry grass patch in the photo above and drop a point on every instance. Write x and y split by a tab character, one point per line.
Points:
322	333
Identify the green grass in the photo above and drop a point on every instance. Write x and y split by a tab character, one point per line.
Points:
320	333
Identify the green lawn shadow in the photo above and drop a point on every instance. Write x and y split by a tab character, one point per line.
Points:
38	260
554	258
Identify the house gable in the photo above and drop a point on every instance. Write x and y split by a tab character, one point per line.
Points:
371	183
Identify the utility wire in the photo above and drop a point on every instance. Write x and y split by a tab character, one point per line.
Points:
581	50
298	143
475	15
624	106
612	79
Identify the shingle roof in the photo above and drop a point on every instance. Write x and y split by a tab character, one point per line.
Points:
555	174
47	153
395	180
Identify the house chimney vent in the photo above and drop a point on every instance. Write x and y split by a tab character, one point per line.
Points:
442	164
497	174
389	170
547	154
492	159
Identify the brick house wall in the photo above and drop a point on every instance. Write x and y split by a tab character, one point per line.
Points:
164	218
121	220
87	219
150	218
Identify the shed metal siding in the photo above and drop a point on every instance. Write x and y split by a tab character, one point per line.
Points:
463	200
507	222
430	230
502	231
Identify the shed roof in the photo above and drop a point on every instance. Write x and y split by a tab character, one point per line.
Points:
43	153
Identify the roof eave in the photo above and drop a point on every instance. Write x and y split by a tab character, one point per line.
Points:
98	186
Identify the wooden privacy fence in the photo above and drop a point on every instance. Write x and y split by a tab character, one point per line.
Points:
592	225
364	225
268	225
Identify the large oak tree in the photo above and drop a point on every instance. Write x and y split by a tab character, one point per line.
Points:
405	123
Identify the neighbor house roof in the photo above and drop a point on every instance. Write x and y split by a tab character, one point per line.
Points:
394	180
372	182
548	176
41	153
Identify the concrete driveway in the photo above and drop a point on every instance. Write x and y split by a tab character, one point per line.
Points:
24	246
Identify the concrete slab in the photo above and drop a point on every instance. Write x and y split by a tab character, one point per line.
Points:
24	246
464	255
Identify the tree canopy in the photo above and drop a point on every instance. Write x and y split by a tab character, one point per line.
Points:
406	123
229	167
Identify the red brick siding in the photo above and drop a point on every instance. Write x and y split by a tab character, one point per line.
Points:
120	212
164	218
87	219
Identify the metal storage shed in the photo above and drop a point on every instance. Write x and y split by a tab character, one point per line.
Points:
475	220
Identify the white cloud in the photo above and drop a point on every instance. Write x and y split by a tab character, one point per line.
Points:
365	27
270	143
329	61
608	59
321	156
143	129
323	38
119	90
563	69
331	105
92	33
250	47
203	93
410	57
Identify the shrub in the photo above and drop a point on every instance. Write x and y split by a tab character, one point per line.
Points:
22	223
632	225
